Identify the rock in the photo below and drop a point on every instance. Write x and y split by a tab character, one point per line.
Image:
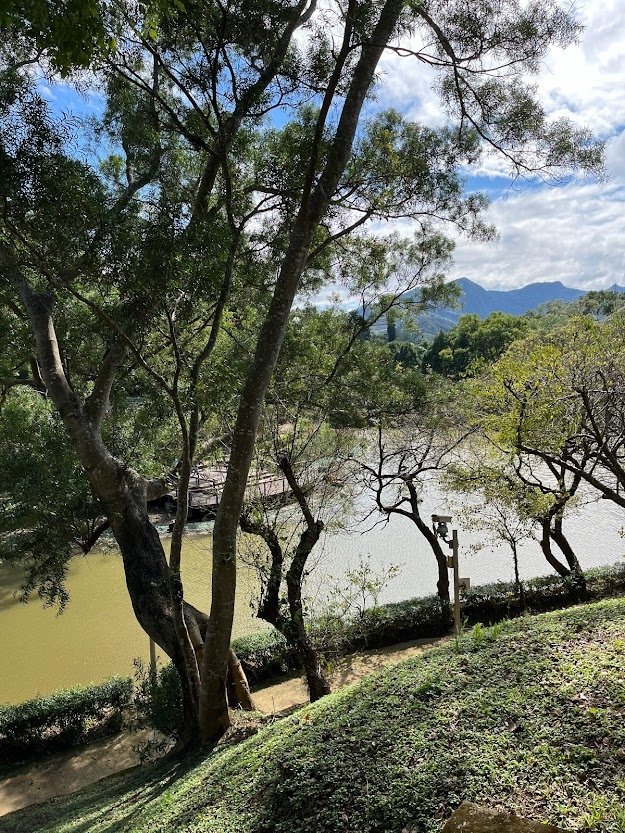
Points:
469	818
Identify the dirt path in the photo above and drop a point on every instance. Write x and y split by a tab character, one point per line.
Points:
66	774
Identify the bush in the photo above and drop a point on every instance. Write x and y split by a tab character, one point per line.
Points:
158	699
64	719
265	655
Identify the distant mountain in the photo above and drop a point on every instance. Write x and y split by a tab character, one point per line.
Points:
480	301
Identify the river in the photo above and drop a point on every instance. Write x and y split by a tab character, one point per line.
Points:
97	636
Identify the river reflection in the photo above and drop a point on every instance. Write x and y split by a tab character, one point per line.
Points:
97	636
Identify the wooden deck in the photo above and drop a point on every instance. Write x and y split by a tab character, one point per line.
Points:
207	483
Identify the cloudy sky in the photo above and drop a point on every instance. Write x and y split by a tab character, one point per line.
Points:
573	233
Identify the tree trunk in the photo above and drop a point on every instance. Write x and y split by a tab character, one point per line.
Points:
517	579
442	585
241	696
148	582
557	534
313	206
318	686
545	545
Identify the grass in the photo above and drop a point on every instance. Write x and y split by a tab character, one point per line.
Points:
526	716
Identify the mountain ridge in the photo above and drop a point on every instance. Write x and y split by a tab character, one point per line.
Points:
478	300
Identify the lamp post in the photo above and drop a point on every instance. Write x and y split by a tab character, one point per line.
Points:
440	525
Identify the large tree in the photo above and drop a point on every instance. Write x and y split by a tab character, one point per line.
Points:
231	169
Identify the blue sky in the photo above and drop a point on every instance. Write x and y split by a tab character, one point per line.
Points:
575	232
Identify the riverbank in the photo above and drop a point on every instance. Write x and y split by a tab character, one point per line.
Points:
65	774
524	717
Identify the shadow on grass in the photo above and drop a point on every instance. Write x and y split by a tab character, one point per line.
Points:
125	796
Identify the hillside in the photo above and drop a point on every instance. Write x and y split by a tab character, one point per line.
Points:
475	299
526	716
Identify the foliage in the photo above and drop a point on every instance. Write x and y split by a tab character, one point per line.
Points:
528	717
158	698
599	304
66	718
232	167
472	343
48	513
559	398
360	588
71	32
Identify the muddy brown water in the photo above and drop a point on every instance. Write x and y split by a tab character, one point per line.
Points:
97	636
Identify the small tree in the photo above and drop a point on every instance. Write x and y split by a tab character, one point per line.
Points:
314	461
408	454
503	511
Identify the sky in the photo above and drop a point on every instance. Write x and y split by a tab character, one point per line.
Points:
573	233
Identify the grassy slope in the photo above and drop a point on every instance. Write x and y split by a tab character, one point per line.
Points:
529	716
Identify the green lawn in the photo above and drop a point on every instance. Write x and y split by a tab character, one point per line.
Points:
527	716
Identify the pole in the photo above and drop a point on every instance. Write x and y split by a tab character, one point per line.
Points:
152	660
454	548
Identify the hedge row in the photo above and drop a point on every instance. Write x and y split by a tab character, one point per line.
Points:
64	719
267	655
69	718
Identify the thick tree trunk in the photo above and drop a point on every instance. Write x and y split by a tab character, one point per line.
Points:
148	582
241	696
562	541
318	686
442	584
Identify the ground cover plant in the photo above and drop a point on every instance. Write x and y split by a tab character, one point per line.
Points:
526	715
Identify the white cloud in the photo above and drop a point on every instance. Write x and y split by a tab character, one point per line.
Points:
573	233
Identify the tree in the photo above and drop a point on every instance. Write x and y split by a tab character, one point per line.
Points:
553	488
539	491
559	400
515	497
314	460
472	343
400	468
203	201
502	513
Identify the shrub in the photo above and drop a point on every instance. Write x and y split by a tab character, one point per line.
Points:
265	655
158	699
64	719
